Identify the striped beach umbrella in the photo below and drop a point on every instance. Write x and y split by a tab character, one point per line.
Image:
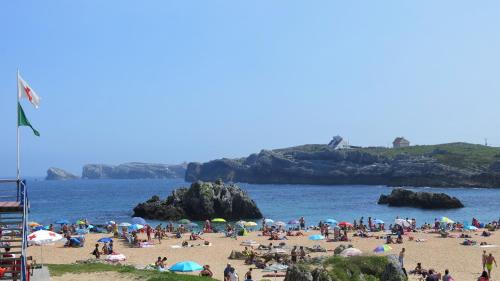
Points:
382	249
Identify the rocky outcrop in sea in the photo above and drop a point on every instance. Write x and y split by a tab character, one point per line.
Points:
59	174
134	170
201	201
320	164
400	197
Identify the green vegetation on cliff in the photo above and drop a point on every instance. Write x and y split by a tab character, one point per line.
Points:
458	154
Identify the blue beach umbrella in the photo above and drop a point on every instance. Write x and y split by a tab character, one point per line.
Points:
62	221
40	227
268	221
470	227
331	221
105	240
378	221
185	266
136	227
138	220
316	237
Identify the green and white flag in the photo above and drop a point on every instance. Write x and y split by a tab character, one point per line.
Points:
23	121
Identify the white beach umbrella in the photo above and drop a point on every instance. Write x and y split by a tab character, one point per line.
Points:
351	252
42	237
124	224
280	223
402	222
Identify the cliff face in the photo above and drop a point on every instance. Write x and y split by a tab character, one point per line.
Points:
319	164
59	174
133	171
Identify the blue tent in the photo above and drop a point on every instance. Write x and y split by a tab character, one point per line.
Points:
186	266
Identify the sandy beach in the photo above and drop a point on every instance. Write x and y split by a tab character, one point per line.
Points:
464	262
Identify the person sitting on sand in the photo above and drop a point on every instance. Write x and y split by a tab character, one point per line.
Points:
158	263
185	243
483	277
389	240
96	252
433	276
105	249
399	240
206	272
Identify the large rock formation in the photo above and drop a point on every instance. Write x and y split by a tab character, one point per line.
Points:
59	174
203	200
400	197
465	165
133	170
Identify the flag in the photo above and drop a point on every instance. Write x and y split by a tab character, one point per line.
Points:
23	121
25	91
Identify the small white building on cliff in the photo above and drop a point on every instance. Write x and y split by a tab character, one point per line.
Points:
338	142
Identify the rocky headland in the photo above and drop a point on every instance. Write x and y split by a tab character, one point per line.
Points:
59	174
134	170
201	201
400	197
446	165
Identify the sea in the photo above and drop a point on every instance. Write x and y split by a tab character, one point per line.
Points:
101	201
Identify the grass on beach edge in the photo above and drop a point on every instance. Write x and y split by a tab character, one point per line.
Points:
150	275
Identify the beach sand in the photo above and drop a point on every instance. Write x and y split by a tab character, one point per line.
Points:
464	262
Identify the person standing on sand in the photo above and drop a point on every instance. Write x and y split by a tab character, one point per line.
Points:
248	275
447	276
402	257
484	260
302	223
490	259
96	252
294	254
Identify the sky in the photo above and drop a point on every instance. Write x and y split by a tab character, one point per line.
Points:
173	81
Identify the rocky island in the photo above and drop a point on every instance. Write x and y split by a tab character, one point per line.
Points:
400	197
444	165
59	174
201	201
133	170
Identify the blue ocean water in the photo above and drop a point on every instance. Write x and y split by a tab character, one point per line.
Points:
104	200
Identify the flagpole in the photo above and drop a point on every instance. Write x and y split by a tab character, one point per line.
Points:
17	125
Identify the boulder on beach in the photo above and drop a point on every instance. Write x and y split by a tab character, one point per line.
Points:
203	200
400	197
59	174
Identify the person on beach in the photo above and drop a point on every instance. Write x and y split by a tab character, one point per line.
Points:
490	259
294	254
447	276
484	259
233	276
13	266
206	272
96	252
483	277
402	257
148	232
302	223
248	275
227	270
302	253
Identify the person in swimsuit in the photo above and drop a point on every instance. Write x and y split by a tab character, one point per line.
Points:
248	275
490	259
484	260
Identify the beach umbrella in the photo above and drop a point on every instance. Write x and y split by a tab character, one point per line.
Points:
445	220
33	224
105	240
470	227
111	222
192	225
250	224
292	222
124	224
139	220
241	223
63	221
184	221
277	251
351	252
136	226
185	266
345	224
268	221
275	267
279	223
402	222
42	237
331	221
40	227
382	249
378	221
220	220
316	237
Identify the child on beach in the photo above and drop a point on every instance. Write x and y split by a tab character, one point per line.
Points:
96	252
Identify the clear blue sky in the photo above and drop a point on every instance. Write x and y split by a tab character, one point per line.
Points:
172	81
